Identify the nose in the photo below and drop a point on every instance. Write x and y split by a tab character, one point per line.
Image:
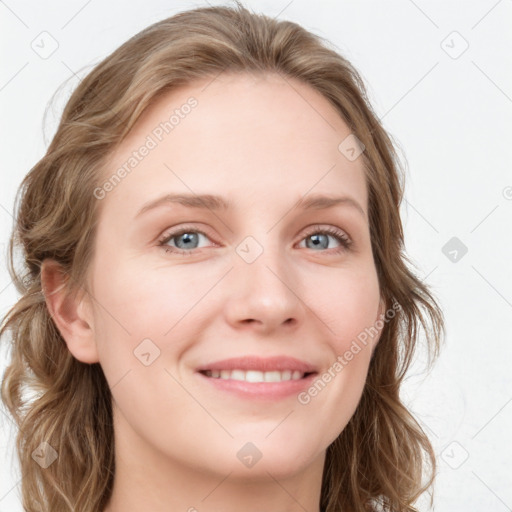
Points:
263	296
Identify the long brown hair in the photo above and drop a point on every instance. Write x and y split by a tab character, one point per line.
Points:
383	459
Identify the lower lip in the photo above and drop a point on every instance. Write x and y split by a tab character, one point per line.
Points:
261	390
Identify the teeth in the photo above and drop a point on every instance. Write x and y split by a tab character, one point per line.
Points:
255	376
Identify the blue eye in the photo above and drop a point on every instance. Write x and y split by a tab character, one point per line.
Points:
320	238
186	240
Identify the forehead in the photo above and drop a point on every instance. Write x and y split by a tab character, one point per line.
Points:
264	102
237	131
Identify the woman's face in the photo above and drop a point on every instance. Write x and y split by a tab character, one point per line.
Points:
181	285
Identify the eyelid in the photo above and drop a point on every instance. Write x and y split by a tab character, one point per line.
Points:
345	244
173	232
332	230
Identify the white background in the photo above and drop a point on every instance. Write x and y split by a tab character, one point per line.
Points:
451	118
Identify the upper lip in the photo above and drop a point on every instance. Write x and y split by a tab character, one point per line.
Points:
263	364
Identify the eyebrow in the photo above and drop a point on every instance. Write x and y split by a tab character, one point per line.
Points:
213	202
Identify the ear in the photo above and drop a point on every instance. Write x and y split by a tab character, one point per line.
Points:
72	315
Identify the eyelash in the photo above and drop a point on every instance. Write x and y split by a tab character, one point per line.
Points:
341	237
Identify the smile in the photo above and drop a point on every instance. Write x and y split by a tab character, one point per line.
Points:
258	385
255	376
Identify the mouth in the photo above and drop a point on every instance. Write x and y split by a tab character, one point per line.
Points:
255	376
251	385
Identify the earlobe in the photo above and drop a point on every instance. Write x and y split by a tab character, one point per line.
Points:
70	314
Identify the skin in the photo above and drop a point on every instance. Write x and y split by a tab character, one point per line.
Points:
262	143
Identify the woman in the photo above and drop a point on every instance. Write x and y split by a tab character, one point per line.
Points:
216	310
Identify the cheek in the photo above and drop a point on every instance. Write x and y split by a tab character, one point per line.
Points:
351	313
137	305
146	300
348	303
